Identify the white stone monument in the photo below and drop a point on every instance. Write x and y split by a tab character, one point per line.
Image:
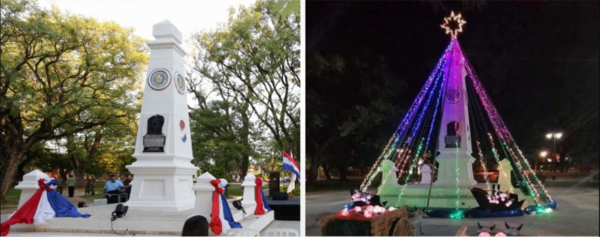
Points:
163	171
455	135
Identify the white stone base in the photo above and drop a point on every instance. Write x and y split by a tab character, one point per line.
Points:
416	195
162	188
146	222
441	196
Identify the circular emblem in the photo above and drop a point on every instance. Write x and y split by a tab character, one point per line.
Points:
453	95
159	79
179	83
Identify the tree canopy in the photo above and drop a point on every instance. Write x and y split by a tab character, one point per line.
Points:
62	74
246	80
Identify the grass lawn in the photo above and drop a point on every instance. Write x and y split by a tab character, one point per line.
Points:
12	198
236	190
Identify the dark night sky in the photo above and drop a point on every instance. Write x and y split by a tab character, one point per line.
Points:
538	60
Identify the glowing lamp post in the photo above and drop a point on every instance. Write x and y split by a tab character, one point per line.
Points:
554	137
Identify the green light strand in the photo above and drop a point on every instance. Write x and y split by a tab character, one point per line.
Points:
547	196
370	175
457	179
485	173
496	157
412	163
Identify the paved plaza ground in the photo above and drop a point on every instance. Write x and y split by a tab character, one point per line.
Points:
576	215
5	212
275	224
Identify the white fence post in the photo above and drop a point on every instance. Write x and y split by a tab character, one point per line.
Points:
30	185
249	186
204	194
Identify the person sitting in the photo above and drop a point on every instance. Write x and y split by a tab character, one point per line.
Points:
113	186
195	226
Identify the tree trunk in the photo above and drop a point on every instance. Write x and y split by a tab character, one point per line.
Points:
343	173
11	170
326	169
245	139
79	177
314	172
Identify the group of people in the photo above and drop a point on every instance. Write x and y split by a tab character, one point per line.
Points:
113	186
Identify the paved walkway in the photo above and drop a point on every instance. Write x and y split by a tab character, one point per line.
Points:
577	213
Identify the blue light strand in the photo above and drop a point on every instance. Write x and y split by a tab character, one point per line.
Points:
402	129
419	121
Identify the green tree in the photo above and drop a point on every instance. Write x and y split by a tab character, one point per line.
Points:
256	56
346	127
61	74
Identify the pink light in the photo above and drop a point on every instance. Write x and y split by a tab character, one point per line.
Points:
500	234
344	212
357	209
368	214
484	234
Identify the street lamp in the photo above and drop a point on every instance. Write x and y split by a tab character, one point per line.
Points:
554	137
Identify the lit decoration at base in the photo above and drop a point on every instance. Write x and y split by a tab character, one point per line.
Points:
457	214
456	19
500	234
484	234
344	212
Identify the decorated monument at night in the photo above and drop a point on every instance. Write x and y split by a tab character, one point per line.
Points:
451	128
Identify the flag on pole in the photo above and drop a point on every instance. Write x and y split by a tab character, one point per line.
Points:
290	164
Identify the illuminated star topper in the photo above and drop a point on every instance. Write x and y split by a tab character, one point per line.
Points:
453	24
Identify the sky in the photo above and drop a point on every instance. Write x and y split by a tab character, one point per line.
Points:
537	59
188	16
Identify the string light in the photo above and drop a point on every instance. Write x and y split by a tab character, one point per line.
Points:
405	122
485	173
416	128
504	135
458	21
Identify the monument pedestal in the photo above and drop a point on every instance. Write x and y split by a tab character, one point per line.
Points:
455	167
162	188
443	195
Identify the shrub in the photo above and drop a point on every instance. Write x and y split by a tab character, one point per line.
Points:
217	171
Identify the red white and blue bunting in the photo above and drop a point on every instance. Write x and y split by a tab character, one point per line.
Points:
42	207
261	202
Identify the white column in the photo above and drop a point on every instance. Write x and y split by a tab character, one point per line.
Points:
456	163
249	186
425	174
204	195
30	185
163	175
389	179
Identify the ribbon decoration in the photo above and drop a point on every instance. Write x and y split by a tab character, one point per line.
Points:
215	222
41	207
260	210
225	215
